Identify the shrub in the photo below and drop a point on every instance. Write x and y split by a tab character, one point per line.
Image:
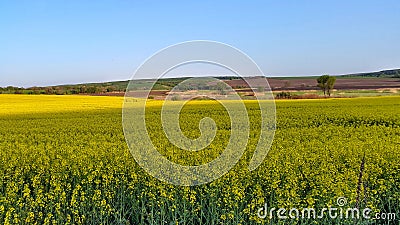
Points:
284	95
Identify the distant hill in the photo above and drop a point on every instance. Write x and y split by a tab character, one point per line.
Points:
395	73
387	79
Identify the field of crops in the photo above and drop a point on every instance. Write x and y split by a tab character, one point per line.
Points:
64	160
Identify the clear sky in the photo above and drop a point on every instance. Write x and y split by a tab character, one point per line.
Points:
58	42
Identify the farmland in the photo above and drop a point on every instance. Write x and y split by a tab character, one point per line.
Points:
64	160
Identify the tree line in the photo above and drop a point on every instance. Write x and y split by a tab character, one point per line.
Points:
61	90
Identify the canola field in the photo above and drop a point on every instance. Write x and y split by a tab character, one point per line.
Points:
64	160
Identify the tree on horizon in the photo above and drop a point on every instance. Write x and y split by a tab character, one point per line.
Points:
326	83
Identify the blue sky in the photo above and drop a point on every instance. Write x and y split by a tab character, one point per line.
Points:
58	42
